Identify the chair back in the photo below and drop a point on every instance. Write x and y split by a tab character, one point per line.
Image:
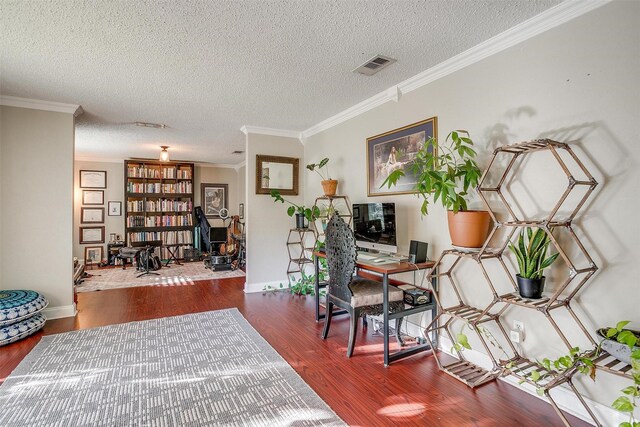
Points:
341	257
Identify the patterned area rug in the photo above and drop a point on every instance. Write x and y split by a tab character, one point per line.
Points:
175	275
209	368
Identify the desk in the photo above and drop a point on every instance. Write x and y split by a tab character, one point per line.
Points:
385	270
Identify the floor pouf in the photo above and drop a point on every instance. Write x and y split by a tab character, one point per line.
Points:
18	305
21	329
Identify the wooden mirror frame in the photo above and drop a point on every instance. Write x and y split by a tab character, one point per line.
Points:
261	158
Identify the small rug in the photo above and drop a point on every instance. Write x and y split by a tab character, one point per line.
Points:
208	368
175	275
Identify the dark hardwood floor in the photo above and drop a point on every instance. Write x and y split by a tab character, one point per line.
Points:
360	390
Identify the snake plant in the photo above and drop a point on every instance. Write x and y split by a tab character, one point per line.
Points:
531	252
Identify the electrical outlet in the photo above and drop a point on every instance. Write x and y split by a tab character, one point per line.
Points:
515	336
518	325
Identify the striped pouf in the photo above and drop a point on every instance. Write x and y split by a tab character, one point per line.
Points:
20	314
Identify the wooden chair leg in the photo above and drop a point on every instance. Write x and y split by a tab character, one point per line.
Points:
398	329
353	330
327	320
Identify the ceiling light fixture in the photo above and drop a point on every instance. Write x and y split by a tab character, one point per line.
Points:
151	125
164	154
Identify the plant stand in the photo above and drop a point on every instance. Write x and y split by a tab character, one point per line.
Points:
328	205
577	274
300	245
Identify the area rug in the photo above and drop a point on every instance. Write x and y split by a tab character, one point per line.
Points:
175	275
209	368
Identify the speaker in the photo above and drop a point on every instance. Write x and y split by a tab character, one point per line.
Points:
417	252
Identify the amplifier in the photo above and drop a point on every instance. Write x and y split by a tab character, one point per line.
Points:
192	255
220	259
417	296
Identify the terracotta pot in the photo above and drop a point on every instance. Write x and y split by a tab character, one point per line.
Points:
329	186
469	229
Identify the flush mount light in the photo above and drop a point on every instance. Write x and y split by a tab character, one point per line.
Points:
374	65
151	125
164	154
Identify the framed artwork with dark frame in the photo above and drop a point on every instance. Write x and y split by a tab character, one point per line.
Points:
93	179
91	235
214	198
92	197
114	208
277	173
93	255
394	150
91	215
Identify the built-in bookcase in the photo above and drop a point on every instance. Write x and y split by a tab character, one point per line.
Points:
159	202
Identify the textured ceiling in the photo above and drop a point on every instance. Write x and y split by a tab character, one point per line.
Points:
205	68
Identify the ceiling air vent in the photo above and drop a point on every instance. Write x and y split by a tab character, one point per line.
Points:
374	65
237	152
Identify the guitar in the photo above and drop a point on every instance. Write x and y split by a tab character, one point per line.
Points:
232	229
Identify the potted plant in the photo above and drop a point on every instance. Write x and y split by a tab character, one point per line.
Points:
445	173
329	185
301	212
619	342
531	254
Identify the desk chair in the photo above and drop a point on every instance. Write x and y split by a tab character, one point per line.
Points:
359	297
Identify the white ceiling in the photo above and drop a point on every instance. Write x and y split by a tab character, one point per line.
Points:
205	68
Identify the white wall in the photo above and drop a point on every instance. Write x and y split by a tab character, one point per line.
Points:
113	192
267	222
217	175
242	186
577	83
36	209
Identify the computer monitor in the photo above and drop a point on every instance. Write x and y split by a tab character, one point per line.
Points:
218	234
374	225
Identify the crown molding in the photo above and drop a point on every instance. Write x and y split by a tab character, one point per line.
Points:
246	129
538	24
35	104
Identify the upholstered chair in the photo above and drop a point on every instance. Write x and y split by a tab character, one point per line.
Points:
358	296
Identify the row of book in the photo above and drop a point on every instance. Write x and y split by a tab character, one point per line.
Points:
157	188
159	205
167	237
159	221
157	173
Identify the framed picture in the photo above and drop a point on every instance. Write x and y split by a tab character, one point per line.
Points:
91	215
114	209
92	197
93	179
91	235
214	198
93	255
394	150
241	211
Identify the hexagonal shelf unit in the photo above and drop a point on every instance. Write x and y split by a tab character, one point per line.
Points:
463	370
300	245
577	276
327	206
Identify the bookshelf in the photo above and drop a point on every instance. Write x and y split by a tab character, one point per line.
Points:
159	202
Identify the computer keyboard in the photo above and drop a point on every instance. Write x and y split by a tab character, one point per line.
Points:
365	256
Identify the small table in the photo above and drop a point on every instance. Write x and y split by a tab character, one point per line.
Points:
173	249
385	270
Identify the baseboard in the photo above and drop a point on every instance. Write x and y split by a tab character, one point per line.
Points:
60	312
564	397
250	288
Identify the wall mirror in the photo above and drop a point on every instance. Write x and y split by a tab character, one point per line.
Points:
277	173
